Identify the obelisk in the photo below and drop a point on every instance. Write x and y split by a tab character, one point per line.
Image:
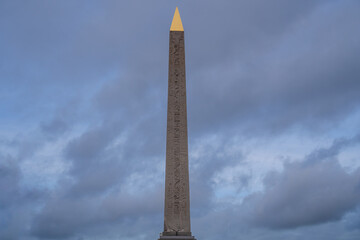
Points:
177	201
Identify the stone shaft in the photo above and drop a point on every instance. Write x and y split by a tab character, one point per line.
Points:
177	202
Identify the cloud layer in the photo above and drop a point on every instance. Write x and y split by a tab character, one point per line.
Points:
273	111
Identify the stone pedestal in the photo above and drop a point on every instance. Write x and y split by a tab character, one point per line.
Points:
177	238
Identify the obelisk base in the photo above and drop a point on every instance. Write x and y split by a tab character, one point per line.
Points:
177	238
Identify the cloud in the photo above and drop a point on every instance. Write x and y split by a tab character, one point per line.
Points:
271	86
314	191
100	187
16	203
84	86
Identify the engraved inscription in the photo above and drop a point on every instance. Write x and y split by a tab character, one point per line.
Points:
177	206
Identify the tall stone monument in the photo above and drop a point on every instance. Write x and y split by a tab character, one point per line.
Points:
177	202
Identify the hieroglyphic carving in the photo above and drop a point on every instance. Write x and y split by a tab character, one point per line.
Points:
177	206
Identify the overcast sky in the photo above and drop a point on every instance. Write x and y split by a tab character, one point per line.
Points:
273	93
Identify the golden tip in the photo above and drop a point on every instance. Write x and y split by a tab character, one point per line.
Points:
176	24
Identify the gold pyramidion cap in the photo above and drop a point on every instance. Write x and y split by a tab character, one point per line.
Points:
176	24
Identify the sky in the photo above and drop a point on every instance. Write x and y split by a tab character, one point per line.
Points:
273	94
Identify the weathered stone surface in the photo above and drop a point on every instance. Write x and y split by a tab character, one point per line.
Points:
177	202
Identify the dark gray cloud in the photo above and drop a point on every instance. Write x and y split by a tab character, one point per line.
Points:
63	119
314	83
10	175
90	194
352	220
211	157
307	199
314	191
16	202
